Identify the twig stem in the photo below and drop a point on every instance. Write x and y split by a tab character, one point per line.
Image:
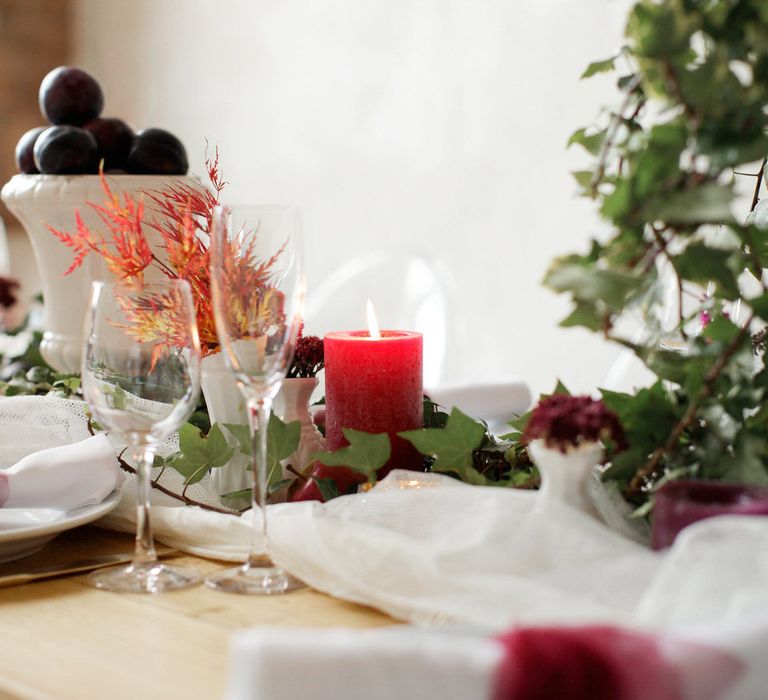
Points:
756	195
651	467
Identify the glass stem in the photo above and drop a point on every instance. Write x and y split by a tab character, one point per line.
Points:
258	417
144	553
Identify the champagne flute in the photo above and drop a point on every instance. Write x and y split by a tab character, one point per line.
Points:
141	379
258	297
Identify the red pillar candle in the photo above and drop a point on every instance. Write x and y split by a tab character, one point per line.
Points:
374	385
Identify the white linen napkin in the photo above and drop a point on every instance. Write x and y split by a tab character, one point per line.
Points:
578	663
399	662
66	477
60	478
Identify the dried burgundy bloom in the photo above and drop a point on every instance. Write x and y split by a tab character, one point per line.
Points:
7	288
562	421
309	357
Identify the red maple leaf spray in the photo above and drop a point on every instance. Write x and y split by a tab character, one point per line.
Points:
182	216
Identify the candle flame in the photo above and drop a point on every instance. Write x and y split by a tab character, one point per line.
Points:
373	324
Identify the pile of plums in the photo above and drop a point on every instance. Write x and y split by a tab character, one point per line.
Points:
79	138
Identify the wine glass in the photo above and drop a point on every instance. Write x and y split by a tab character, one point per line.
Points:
141	379
258	298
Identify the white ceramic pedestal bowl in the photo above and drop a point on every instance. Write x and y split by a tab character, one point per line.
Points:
40	201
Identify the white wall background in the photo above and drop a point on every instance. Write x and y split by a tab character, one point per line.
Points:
429	126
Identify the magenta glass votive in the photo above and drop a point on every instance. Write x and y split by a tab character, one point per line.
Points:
680	503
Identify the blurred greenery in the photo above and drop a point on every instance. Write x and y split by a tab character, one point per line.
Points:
693	83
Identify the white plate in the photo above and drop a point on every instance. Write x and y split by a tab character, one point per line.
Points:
22	541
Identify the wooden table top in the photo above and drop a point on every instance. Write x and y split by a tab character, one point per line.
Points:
62	639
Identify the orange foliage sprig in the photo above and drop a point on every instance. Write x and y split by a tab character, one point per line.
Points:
127	253
182	216
153	319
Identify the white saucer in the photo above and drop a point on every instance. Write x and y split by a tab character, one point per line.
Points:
20	542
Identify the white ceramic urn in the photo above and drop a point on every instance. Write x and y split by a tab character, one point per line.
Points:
42	201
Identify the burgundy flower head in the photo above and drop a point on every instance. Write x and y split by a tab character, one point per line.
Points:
7	288
309	357
562	421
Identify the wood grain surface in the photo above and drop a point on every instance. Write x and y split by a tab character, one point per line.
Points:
64	640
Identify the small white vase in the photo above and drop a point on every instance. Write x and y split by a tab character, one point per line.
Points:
565	475
226	404
292	403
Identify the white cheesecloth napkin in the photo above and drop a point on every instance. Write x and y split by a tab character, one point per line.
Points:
46	483
428	549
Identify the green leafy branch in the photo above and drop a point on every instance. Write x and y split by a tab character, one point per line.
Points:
199	453
692	116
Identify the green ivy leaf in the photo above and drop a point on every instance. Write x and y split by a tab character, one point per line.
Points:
519	423
70	385
40	375
279	485
583	177
706	204
703	264
282	441
589	284
242	434
619	203
584	315
117	396
746	465
328	489
591	142
661	30
623	465
452	447
598	67
198	453
624	81
366	453
647	417
720	328
433	415
760	306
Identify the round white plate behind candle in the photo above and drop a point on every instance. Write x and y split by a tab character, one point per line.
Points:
495	402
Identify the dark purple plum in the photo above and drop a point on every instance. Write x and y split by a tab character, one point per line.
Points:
66	150
114	139
157	152
70	96
25	159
